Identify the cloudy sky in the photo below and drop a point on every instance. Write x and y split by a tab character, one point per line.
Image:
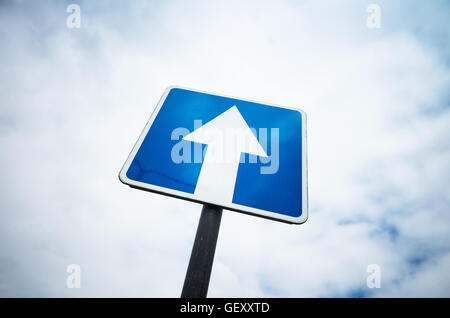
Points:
74	101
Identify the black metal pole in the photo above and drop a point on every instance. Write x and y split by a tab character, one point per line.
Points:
199	270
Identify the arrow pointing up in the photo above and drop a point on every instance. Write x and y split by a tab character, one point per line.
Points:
227	136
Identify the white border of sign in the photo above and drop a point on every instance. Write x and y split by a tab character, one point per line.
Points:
232	206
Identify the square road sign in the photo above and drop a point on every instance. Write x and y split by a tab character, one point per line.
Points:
241	155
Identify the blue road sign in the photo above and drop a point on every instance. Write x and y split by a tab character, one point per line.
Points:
242	155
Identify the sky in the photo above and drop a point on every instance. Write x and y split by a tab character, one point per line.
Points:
73	102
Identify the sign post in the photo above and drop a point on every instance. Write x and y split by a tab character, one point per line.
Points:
202	257
226	153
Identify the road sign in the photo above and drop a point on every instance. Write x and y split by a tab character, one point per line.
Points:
241	155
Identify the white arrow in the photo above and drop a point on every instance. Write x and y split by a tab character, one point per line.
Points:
227	136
